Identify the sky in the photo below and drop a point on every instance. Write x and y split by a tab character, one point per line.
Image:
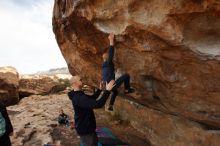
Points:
27	41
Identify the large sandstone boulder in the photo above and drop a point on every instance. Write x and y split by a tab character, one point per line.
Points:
169	47
31	84
9	85
165	129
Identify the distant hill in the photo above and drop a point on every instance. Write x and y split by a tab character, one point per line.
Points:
63	70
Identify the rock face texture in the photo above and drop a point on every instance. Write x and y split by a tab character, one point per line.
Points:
166	129
169	47
9	85
29	85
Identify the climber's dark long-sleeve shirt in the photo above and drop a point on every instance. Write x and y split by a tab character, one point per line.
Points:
108	70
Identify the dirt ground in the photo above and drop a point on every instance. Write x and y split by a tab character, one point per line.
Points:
121	129
35	123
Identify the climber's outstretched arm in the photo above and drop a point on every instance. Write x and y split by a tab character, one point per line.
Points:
111	47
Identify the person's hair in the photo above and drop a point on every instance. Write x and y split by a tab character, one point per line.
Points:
73	79
105	50
105	53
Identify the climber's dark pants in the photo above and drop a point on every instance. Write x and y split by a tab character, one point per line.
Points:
123	79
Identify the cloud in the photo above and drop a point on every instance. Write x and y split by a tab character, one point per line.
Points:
27	39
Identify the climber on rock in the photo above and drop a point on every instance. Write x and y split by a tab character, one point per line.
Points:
108	73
